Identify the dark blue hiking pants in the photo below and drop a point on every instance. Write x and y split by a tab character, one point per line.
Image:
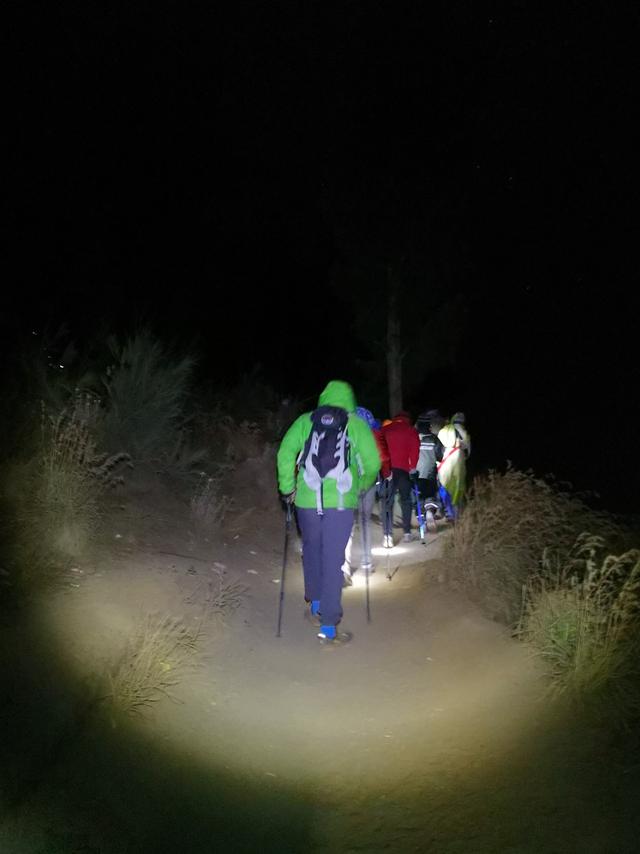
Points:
324	539
402	484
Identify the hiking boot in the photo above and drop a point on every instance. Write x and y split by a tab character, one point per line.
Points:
407	538
341	639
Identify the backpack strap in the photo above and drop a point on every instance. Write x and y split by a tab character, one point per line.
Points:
343	476
310	473
449	453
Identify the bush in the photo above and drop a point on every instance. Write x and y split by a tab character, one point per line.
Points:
511	522
152	663
583	623
146	396
162	648
57	493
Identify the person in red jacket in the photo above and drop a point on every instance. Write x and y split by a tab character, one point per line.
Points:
403	442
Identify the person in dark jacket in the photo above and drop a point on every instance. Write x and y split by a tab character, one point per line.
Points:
403	443
431	452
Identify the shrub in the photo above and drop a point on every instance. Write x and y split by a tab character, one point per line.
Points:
146	396
58	492
583	622
162	648
511	521
152	663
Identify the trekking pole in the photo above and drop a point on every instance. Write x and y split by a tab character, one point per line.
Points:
363	538
389	517
421	523
287	530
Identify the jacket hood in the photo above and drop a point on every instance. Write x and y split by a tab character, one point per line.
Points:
338	393
448	436
368	416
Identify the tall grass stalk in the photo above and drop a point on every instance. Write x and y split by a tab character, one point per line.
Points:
511	521
58	496
64	512
583	623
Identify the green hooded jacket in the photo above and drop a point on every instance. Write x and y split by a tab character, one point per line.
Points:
364	461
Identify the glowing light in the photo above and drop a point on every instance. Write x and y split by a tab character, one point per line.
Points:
258	711
396	551
360	579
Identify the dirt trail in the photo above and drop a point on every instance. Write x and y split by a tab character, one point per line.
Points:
426	733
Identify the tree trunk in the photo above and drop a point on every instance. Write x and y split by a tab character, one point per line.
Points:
394	348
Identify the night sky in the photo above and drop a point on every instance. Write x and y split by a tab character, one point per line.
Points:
198	168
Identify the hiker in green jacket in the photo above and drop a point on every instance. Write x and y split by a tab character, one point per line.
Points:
325	460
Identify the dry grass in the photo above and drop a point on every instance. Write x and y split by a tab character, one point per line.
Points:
162	649
208	506
153	663
69	445
511	522
219	597
57	495
527	551
582	620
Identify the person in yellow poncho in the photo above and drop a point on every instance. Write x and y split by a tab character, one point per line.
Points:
451	471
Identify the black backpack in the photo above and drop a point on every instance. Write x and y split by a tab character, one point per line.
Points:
326	452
